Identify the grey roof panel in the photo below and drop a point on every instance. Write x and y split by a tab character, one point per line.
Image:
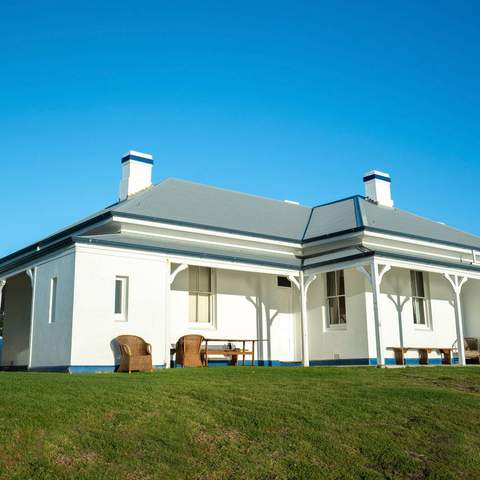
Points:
405	223
330	218
182	201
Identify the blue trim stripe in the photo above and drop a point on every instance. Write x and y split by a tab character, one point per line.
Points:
223	363
80	368
379	177
127	158
410	361
99	368
341	361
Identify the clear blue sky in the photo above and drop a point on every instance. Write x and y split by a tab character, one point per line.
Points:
290	100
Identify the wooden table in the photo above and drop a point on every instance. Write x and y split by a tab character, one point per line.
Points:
230	352
423	353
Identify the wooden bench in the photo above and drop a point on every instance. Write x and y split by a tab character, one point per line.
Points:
472	349
233	352
423	353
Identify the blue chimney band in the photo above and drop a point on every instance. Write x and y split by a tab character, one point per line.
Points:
380	177
126	158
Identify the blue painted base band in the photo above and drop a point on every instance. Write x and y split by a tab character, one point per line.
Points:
343	361
411	361
81	368
14	368
257	363
224	363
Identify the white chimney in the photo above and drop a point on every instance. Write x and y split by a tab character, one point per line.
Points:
377	187
136	173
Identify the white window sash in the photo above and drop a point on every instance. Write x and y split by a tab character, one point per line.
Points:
196	294
337	321
421	317
52	306
121	314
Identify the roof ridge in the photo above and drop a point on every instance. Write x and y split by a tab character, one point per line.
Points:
359	216
308	224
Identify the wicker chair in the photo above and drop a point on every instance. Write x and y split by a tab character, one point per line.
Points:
472	349
188	351
136	354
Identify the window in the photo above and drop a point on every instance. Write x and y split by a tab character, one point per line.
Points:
121	299
200	295
337	310
52	308
283	282
419	299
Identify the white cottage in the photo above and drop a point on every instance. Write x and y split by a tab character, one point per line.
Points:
336	284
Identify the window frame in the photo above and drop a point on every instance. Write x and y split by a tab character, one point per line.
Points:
121	316
52	300
425	299
337	296
211	324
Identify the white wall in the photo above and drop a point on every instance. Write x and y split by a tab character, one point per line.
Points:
470	297
51	342
341	342
396	306
94	324
248	305
16	332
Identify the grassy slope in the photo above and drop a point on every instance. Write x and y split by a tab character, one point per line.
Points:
242	423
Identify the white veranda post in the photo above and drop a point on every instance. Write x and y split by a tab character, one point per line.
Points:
32	275
169	279
303	283
457	282
375	276
2	284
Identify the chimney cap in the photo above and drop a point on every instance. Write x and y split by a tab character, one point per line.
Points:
137	156
376	174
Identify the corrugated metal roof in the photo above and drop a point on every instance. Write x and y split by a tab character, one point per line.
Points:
332	217
183	202
187	202
405	223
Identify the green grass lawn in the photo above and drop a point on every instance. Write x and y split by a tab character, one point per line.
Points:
242	423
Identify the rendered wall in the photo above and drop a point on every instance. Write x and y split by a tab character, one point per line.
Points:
338	343
396	312
94	324
470	297
16	333
248	305
51	342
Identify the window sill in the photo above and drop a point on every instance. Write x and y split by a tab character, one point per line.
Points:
336	328
422	328
199	326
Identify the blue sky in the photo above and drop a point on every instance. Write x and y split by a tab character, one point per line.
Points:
290	100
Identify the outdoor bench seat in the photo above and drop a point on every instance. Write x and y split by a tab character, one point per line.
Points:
233	353
423	353
472	349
